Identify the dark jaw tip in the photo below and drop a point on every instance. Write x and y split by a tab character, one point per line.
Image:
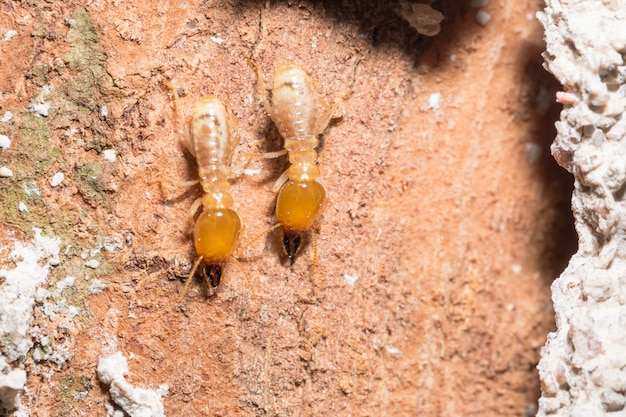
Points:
292	243
213	273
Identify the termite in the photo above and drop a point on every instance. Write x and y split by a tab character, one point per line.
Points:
300	114
214	137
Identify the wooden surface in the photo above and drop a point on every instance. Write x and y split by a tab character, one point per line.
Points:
452	234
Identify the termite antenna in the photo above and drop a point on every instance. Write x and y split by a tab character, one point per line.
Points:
255	239
190	278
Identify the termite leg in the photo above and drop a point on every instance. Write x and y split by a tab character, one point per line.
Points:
196	204
194	208
329	111
266	155
325	118
312	274
315	230
257	238
162	181
245	274
238	168
312	270
280	181
186	136
260	89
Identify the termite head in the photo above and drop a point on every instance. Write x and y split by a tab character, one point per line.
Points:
298	207
215	235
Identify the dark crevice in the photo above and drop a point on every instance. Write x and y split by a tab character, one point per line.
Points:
559	239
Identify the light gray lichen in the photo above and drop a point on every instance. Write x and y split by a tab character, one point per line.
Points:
583	364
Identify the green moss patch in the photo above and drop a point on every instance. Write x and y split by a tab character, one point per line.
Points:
91	184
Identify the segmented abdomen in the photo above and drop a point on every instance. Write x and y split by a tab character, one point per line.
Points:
295	106
213	131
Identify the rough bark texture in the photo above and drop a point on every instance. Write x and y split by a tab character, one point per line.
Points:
582	364
446	223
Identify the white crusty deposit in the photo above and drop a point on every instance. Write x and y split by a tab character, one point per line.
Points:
136	402
32	262
583	365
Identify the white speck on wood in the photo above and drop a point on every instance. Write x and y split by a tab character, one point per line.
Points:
109	155
434	101
5	142
6	117
40	109
392	350
533	152
92	263
350	279
10	34
57	179
482	17
5	172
